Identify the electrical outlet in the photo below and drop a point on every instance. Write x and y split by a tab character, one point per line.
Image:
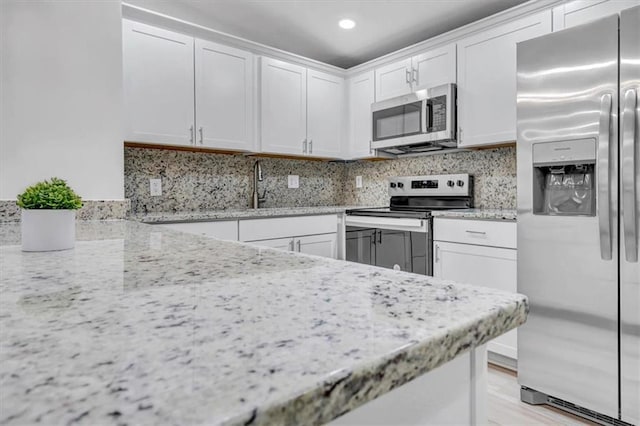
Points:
358	181
155	187
293	181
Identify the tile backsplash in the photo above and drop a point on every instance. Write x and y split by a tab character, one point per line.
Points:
193	181
493	170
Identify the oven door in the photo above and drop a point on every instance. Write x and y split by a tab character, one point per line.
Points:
401	244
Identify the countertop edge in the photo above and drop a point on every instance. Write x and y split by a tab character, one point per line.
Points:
336	396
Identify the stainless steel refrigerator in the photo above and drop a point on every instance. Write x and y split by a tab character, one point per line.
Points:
579	218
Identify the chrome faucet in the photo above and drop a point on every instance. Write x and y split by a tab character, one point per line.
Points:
257	177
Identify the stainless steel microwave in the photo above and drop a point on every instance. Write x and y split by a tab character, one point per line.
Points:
418	122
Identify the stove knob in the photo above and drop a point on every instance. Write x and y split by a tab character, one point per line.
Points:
400	185
460	183
450	183
392	185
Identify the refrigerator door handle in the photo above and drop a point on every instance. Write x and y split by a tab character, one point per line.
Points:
604	190
628	175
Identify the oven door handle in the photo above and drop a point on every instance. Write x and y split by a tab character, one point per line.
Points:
398	224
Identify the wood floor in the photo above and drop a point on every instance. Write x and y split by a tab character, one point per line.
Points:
505	407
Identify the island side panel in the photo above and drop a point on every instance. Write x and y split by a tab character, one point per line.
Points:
454	393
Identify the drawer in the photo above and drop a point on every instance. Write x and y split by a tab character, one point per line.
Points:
478	232
283	227
222	230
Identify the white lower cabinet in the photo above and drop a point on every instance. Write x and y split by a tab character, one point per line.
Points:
316	235
461	254
319	245
222	230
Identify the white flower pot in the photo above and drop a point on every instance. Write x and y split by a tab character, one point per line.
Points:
47	230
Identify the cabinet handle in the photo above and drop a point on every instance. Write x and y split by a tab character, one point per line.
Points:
370	148
477	232
415	76
291	245
310	146
407	75
304	146
191	134
459	134
298	243
437	253
201	130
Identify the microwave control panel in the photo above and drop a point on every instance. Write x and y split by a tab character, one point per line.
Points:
437	114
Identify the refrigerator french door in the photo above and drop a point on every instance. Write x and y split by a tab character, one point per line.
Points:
579	218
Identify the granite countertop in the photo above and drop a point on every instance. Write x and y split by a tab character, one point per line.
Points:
484	214
202	216
140	325
211	215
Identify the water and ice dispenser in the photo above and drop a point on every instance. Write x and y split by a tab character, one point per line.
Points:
564	178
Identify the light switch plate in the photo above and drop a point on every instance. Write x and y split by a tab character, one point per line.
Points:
155	187
358	181
293	181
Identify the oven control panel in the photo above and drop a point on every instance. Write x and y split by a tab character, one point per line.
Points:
441	185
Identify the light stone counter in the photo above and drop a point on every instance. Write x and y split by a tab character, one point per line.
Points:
211	215
145	326
482	214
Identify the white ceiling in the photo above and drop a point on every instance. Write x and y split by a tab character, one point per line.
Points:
310	27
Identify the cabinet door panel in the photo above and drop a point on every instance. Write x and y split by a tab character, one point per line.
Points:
361	96
435	67
583	11
487	80
224	96
158	85
483	266
283	107
325	100
393	80
279	243
320	245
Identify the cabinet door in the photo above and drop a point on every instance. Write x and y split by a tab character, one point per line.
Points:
158	85
487	80
393	80
361	96
224	96
582	11
279	243
325	113
320	245
483	266
283	107
435	67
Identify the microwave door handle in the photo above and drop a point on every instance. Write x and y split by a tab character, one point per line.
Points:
604	188
629	183
425	112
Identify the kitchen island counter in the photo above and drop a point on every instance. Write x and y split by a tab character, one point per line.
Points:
140	325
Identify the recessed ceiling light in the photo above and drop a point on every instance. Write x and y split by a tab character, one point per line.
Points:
347	24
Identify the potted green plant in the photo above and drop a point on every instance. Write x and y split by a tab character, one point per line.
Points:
49	216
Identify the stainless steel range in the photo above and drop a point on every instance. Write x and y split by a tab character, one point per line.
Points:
400	236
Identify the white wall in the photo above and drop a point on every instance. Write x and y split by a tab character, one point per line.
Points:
61	96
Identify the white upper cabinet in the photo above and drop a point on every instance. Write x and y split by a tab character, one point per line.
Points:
361	95
158	85
325	114
582	11
302	111
283	107
487	80
393	80
224	97
435	67
432	68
